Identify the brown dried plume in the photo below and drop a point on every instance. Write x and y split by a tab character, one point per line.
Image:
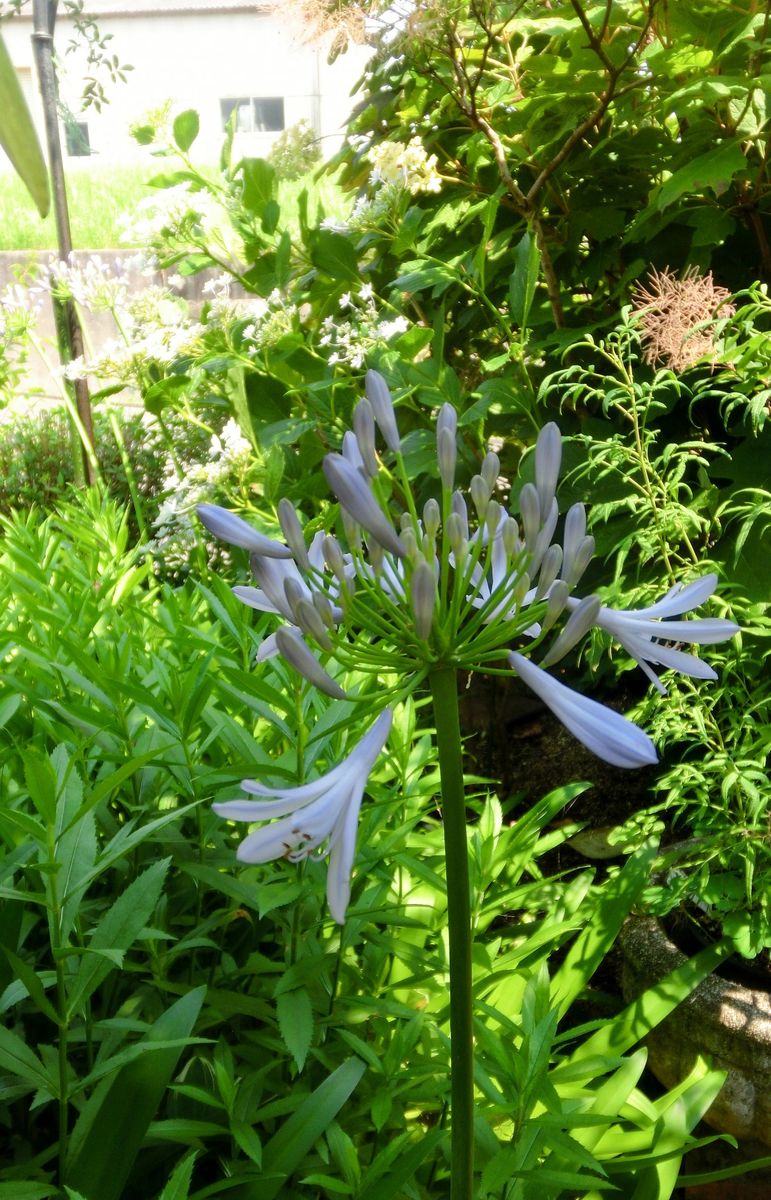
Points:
675	316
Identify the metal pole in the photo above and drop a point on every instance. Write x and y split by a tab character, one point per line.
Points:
68	326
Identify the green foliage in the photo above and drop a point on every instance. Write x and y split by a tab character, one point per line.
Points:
18	136
315	1055
295	152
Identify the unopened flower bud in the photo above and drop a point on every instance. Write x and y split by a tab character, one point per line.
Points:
405	521
352	452
460	509
581	560
364	428
410	543
333	557
423	596
383	408
456	533
294	650
355	497
555	606
294	593
548	455
446	454
510	534
530	511
550	569
493	514
293	533
311	623
480	494
324	608
580	621
490	469
431	517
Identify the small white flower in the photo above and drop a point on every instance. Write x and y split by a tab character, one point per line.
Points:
324	813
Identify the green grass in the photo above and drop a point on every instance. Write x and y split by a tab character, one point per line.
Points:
100	196
97	199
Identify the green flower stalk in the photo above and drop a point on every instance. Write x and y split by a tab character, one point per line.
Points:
464	585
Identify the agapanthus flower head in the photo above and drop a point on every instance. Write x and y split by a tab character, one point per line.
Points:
466	583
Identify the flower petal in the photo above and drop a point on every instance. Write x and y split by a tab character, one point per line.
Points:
605	732
230	528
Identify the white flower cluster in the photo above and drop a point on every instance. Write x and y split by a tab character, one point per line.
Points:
267	319
407	165
154	328
188	484
182	217
94	284
352	341
397	167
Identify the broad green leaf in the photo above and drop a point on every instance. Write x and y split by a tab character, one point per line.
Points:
17	134
117	931
113	1123
295	1023
186	127
259	184
334	255
42	784
713	170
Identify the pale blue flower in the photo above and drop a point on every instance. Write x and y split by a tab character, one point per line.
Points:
316	819
602	730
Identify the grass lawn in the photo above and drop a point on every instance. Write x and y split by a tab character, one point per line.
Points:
100	196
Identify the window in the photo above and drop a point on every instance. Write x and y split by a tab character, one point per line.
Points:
254	114
76	136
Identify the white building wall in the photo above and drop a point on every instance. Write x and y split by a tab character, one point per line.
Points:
197	60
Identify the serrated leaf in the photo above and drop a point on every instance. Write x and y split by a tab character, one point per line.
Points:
16	1057
295	1023
178	1187
117	931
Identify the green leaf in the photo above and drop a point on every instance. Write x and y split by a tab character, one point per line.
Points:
590	947
113	1123
523	279
186	127
17	134
287	1148
259	184
295	1023
382	1186
117	931
713	170
19	1190
32	982
334	255
16	1057
178	1187
42	784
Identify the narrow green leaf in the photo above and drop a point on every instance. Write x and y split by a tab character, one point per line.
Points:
117	931
16	1057
287	1148
31	981
42	784
178	1187
590	947
113	1123
17	134
384	1187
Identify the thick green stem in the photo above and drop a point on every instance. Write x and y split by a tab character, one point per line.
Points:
444	691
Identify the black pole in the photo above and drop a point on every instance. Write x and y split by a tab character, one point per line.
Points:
69	332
